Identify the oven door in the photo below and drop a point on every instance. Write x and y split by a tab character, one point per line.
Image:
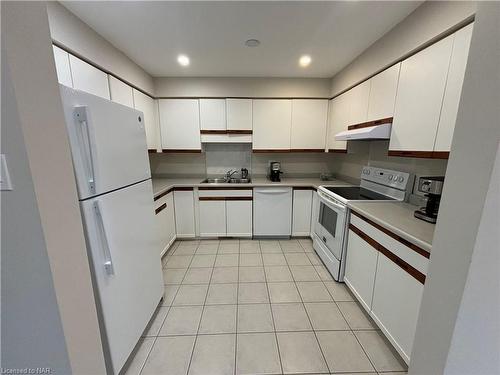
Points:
330	224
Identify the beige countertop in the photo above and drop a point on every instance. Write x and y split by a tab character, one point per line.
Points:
162	184
398	218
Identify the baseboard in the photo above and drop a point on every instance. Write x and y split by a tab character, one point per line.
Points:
164	251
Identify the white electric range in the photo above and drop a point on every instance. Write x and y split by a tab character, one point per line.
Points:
331	224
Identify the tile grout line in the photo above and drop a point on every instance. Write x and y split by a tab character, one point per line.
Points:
237	309
271	310
201	317
310	322
163	322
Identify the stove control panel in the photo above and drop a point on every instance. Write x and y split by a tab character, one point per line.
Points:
386	177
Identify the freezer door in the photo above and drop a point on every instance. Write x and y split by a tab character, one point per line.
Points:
125	256
108	142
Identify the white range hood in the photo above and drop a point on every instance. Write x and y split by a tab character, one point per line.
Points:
382	131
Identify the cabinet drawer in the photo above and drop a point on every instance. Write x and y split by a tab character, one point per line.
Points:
222	192
414	256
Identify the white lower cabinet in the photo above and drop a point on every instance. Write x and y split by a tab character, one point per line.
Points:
301	216
225	212
387	277
314	211
361	265
239	218
165	220
396	304
184	213
212	218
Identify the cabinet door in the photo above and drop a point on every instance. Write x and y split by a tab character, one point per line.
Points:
396	303
383	94
239	114
239	218
272	123
213	114
314	211
212	218
358	106
419	98
148	106
453	89
161	218
338	122
301	217
89	79
184	213
361	265
309	118
180	124
63	70
121	92
170	218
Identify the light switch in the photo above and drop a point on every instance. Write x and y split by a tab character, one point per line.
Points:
5	183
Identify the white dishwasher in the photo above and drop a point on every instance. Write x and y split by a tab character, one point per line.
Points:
272	211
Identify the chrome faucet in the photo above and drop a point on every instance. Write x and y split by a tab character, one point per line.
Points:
229	174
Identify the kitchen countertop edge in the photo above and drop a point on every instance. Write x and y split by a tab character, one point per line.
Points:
160	185
413	234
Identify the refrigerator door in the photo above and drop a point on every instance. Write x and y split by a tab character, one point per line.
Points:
108	143
125	258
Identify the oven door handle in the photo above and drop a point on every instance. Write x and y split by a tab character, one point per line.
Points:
328	202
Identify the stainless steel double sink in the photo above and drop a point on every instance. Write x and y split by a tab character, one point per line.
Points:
226	181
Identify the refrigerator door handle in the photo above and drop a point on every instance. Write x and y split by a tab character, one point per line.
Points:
83	134
108	261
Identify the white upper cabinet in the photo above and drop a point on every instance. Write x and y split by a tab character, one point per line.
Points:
63	69
358	108
383	94
338	121
419	98
309	119
121	92
89	79
212	114
239	114
272	123
180	124
148	106
453	90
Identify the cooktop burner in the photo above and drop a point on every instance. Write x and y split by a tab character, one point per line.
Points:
357	193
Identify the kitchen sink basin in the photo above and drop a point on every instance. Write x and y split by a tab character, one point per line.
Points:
226	181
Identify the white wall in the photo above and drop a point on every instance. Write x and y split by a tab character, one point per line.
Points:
427	22
49	315
245	87
77	36
470	170
476	340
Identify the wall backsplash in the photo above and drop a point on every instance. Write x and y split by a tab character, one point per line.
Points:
221	157
218	158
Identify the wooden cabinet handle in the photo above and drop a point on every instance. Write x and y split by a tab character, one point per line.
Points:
161	208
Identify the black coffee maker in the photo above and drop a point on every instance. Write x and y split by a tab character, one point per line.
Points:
433	187
274	171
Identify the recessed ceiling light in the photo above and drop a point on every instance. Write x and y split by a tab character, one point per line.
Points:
183	60
252	42
305	60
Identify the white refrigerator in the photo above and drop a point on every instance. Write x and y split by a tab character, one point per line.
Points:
109	151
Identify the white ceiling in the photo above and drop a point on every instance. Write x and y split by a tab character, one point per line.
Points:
213	33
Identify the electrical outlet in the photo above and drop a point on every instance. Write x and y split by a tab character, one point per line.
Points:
5	183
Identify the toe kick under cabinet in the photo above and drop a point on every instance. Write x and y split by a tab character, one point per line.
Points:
225	212
387	274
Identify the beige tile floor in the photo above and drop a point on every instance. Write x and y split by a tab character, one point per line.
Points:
257	307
